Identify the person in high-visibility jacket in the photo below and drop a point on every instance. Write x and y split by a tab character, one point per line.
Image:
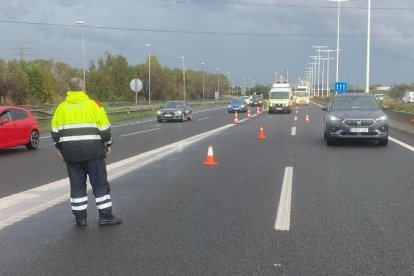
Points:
82	134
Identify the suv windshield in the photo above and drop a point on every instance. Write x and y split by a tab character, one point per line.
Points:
354	102
279	95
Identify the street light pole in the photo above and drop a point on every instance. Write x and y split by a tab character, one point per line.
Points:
337	36
218	81
318	48
315	74
183	77
328	89
80	22
203	78
149	72
228	74
368	47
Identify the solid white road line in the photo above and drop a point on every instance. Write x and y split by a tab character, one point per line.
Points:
283	211
401	143
139	132
19	206
293	131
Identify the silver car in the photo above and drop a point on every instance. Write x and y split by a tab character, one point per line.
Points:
355	116
175	111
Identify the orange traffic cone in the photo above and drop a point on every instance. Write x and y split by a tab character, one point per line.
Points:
249	115
236	118
261	134
307	120
258	111
210	161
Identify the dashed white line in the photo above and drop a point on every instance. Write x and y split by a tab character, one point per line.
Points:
283	211
202	119
139	132
293	131
296	118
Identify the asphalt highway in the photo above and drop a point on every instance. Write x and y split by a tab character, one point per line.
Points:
284	205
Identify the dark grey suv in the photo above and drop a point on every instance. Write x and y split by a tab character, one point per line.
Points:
354	116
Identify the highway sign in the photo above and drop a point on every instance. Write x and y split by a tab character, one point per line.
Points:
341	87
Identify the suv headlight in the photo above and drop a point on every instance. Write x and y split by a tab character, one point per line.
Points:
242	106
382	118
159	112
179	112
334	119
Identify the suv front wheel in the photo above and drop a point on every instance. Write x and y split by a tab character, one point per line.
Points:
383	142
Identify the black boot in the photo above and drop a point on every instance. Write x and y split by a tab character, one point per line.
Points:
80	218
108	220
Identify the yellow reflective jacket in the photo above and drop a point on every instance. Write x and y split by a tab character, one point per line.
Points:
80	128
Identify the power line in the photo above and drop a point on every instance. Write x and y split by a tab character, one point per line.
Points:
238	3
253	34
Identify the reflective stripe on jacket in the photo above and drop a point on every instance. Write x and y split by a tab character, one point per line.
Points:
80	128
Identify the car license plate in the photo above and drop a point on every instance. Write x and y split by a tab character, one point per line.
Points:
278	108
167	115
364	129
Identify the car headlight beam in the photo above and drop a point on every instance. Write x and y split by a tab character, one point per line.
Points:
334	119
382	118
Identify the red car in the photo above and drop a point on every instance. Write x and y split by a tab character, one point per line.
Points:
18	127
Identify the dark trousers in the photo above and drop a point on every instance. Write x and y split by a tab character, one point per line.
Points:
96	170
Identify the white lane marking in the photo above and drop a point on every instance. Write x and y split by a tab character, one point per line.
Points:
19	206
296	118
202	119
401	143
283	211
135	123
293	131
139	132
297	112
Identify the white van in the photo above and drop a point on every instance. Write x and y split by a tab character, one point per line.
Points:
408	97
280	98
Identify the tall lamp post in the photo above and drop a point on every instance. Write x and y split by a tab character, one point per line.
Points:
228	74
183	77
149	72
368	46
318	48
315	74
80	22
337	36
328	89
218	80
203	78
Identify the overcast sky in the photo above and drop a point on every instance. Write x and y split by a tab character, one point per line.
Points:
248	38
